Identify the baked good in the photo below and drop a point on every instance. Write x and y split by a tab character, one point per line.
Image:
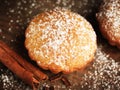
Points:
60	40
109	21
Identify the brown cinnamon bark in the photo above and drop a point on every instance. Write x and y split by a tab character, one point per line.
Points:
65	81
26	71
9	62
55	77
23	62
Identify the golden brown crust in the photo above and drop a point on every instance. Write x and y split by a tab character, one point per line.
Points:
109	21
60	40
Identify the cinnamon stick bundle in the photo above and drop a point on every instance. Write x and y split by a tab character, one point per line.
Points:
26	71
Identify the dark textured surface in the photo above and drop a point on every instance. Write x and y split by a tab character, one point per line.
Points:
103	74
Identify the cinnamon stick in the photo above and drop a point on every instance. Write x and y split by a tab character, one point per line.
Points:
23	62
55	77
26	71
9	62
65	81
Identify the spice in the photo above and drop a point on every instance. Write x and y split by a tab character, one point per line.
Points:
26	71
65	81
55	77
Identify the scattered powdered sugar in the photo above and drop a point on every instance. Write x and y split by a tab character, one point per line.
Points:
10	82
60	36
19	13
104	74
66	3
0	30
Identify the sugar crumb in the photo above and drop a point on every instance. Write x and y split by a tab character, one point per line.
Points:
9	29
3	37
0	30
103	73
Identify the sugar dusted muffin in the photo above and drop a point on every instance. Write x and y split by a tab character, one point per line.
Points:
60	40
109	21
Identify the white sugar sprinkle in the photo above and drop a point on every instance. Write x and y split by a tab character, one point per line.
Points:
3	37
10	29
9	81
12	10
0	30
103	74
11	21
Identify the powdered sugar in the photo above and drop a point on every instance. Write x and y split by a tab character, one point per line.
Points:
104	74
0	30
19	13
9	81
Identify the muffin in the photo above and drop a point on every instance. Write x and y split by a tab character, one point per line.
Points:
60	40
109	21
